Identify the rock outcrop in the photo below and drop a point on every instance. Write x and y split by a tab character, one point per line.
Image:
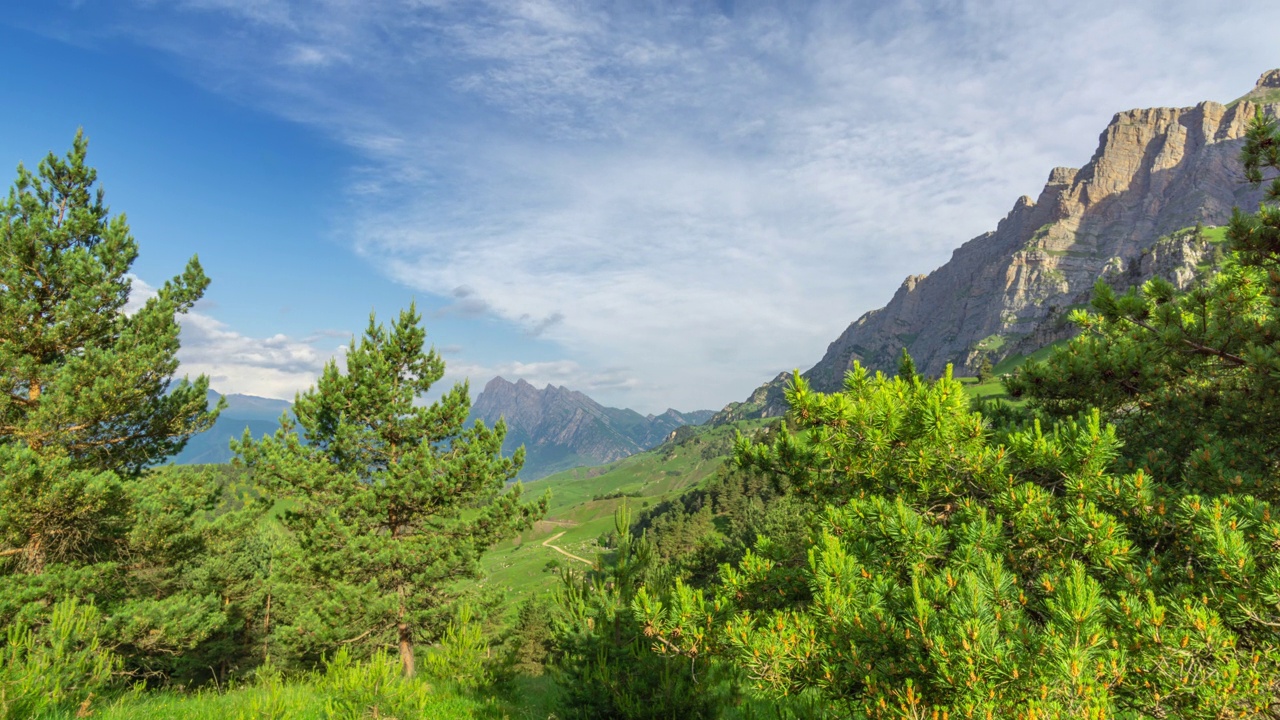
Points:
1127	215
562	428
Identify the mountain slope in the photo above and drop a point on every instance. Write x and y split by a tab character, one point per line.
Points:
261	416
562	428
1156	171
1129	214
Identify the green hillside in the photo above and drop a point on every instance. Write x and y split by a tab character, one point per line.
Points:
583	501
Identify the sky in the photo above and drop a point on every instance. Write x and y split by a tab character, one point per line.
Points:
660	204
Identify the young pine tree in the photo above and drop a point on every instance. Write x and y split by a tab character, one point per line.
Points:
391	502
907	367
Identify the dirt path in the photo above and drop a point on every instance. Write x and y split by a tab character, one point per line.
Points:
566	553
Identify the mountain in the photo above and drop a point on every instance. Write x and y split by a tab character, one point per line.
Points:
261	416
1139	208
562	428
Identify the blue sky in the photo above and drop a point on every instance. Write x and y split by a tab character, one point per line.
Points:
660	204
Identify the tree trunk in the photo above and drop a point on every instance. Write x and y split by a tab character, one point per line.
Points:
266	630
406	650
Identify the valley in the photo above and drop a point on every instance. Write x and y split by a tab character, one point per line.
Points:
1039	482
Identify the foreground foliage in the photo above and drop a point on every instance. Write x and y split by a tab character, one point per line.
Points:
1022	578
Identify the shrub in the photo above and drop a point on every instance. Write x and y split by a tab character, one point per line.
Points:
55	667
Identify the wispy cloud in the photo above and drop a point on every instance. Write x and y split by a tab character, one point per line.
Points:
704	196
276	366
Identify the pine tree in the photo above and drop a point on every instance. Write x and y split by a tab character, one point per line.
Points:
985	368
87	397
391	502
907	367
88	402
81	378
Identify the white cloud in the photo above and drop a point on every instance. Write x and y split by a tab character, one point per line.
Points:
275	367
702	198
140	291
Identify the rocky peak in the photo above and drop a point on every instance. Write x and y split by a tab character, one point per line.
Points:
1269	79
1123	215
562	428
1267	90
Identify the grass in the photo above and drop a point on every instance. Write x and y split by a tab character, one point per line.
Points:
1264	98
302	700
991	343
345	689
1216	235
990	390
994	389
1013	362
584	499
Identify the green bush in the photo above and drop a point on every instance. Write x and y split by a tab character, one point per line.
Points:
953	573
462	655
56	667
374	688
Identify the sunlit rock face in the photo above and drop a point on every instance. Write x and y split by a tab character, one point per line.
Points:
1125	215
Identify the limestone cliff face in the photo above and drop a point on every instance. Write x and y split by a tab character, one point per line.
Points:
562	428
1156	172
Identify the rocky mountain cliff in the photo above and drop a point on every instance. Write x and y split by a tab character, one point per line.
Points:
562	428
1128	214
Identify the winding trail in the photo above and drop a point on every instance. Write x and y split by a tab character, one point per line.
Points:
566	553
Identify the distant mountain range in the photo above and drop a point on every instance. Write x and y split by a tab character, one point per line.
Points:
562	428
260	415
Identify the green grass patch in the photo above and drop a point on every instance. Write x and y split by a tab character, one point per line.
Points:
1216	235
345	689
1264	98
584	499
991	343
990	390
994	389
1013	362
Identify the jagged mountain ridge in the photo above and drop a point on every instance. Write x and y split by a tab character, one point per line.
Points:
1156	172
562	428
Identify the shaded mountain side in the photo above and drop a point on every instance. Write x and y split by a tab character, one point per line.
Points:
261	416
562	428
1131	213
